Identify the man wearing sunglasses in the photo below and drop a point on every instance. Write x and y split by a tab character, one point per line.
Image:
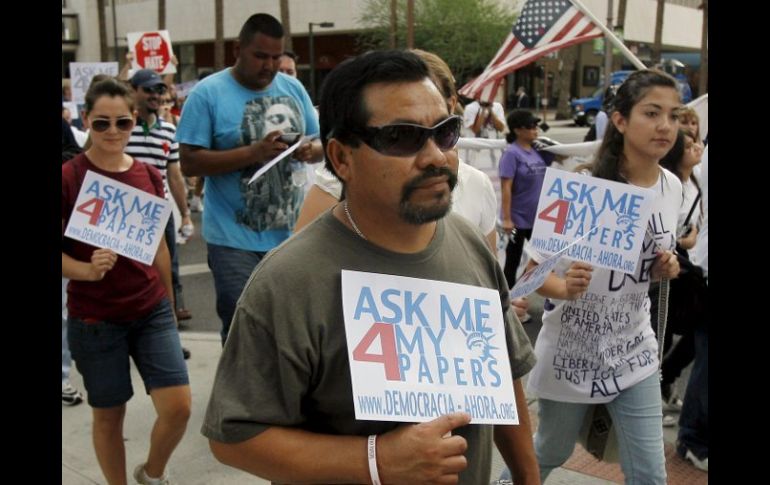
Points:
231	125
153	141
282	403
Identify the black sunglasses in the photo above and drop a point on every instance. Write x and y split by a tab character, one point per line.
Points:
157	89
123	124
406	139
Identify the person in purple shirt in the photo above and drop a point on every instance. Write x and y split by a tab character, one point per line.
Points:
522	169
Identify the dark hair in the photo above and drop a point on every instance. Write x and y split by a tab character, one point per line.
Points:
673	159
510	137
260	23
291	55
610	155
99	77
342	109
609	98
109	87
518	118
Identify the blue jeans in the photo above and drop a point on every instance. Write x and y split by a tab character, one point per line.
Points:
636	415
101	350
694	419
232	269
66	357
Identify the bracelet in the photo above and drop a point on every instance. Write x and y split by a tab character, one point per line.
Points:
372	448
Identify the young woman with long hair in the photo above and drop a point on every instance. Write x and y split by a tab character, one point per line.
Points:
596	345
121	308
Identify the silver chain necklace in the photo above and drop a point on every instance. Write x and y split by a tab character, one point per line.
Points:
352	222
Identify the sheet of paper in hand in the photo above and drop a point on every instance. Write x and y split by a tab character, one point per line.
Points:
572	204
111	214
267	166
420	349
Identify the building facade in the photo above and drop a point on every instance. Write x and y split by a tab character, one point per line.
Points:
191	26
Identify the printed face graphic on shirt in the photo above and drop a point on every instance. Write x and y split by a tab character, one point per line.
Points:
279	117
272	202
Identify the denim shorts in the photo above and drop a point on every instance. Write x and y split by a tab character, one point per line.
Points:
101	351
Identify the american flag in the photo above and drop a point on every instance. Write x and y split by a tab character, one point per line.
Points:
543	26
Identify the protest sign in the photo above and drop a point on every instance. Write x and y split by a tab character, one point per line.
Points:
81	74
572	204
111	214
152	50
420	349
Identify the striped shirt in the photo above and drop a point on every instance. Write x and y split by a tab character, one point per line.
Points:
155	145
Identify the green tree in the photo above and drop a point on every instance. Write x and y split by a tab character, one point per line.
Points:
465	33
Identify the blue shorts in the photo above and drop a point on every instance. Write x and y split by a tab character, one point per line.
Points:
101	350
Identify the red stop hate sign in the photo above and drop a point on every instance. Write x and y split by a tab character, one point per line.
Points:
152	52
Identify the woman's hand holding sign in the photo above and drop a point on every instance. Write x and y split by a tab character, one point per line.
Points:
666	265
419	453
102	260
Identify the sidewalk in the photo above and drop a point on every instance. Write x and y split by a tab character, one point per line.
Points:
192	462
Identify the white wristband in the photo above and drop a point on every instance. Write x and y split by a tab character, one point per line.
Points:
372	448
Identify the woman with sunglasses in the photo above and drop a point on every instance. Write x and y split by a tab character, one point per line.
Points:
597	345
119	307
521	170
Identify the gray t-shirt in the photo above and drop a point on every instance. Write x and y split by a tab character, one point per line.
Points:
285	362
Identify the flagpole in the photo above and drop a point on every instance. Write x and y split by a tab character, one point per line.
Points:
609	35
544	101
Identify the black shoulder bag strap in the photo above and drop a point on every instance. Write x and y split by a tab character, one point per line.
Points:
692	209
663	300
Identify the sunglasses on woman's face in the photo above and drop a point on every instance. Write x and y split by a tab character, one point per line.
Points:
102	125
406	139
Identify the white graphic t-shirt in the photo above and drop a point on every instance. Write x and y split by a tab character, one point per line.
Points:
591	348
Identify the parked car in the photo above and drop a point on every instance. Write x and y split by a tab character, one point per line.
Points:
584	110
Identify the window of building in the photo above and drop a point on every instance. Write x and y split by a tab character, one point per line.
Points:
70	31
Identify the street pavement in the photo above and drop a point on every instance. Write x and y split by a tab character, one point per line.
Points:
192	463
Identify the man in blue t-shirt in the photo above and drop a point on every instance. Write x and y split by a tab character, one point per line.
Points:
231	126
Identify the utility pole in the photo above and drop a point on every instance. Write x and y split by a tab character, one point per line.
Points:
620	22
393	23
608	49
104	50
410	24
161	14
286	22
657	46
704	51
219	35
115	31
